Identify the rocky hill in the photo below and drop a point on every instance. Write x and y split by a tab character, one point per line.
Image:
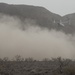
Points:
42	16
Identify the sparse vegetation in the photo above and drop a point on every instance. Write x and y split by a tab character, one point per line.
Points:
29	66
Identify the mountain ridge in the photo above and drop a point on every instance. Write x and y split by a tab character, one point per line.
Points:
43	17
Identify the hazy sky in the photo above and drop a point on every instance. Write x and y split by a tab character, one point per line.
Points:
61	7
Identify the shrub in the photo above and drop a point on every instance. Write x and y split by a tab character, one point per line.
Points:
69	70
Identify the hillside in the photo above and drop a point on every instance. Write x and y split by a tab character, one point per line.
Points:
42	16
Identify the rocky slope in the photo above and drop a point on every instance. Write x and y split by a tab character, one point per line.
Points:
42	16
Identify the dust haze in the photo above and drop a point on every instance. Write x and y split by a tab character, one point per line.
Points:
34	41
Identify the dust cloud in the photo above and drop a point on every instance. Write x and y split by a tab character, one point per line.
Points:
34	41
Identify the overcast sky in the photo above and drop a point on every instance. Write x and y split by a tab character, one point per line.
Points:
61	7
